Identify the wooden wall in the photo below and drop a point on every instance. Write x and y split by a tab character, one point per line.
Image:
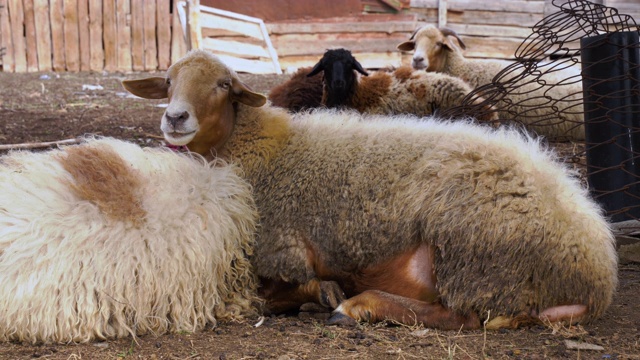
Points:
89	35
301	30
371	38
145	35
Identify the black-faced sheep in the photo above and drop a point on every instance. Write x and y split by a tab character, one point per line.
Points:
546	105
105	240
439	223
402	91
299	92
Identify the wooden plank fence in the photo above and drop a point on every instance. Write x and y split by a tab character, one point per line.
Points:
89	35
146	35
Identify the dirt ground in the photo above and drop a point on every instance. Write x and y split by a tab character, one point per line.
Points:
49	107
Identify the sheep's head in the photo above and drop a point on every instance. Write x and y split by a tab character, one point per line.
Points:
202	93
340	79
430	45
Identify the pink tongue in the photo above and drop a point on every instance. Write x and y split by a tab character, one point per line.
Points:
177	147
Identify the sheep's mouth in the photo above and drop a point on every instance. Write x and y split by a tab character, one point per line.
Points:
177	138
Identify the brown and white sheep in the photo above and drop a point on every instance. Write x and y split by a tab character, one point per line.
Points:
547	105
439	223
105	240
402	91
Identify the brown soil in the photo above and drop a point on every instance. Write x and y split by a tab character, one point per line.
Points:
49	107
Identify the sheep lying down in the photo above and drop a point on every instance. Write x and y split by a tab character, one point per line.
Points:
416	221
106	239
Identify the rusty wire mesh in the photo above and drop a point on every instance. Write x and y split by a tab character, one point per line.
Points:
551	89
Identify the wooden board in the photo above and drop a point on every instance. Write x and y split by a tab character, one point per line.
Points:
235	48
83	29
137	35
123	8
30	36
346	25
16	15
246	65
150	50
482	17
484	47
110	35
71	35
308	44
278	10
219	22
178	42
95	36
494	30
8	63
367	60
163	21
57	34
524	6
43	34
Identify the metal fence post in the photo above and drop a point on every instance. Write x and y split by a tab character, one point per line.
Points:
611	87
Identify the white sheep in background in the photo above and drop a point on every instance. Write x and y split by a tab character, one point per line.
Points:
552	111
426	222
106	240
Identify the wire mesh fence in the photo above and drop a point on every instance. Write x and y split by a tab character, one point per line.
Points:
577	78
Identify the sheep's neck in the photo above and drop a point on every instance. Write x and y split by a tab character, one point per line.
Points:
339	99
258	136
214	132
453	64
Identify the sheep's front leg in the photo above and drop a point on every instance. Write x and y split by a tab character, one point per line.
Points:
282	296
375	305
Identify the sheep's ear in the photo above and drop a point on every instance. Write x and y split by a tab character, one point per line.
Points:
359	68
407	46
243	94
149	88
316	69
448	32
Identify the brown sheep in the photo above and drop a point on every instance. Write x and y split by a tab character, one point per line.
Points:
299	92
431	222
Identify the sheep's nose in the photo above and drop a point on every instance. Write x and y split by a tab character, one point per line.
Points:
418	59
339	84
176	119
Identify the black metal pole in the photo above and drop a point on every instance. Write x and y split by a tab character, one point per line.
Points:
611	88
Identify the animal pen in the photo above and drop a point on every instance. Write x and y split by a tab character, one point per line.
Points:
544	37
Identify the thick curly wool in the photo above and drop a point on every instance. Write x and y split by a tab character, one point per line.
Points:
299	92
405	91
106	240
512	229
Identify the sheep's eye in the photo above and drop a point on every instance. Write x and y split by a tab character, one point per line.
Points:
439	43
168	82
225	84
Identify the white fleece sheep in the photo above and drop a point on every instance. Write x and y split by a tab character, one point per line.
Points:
548	105
106	239
417	221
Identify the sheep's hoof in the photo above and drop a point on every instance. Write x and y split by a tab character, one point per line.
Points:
331	295
341	319
312	307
